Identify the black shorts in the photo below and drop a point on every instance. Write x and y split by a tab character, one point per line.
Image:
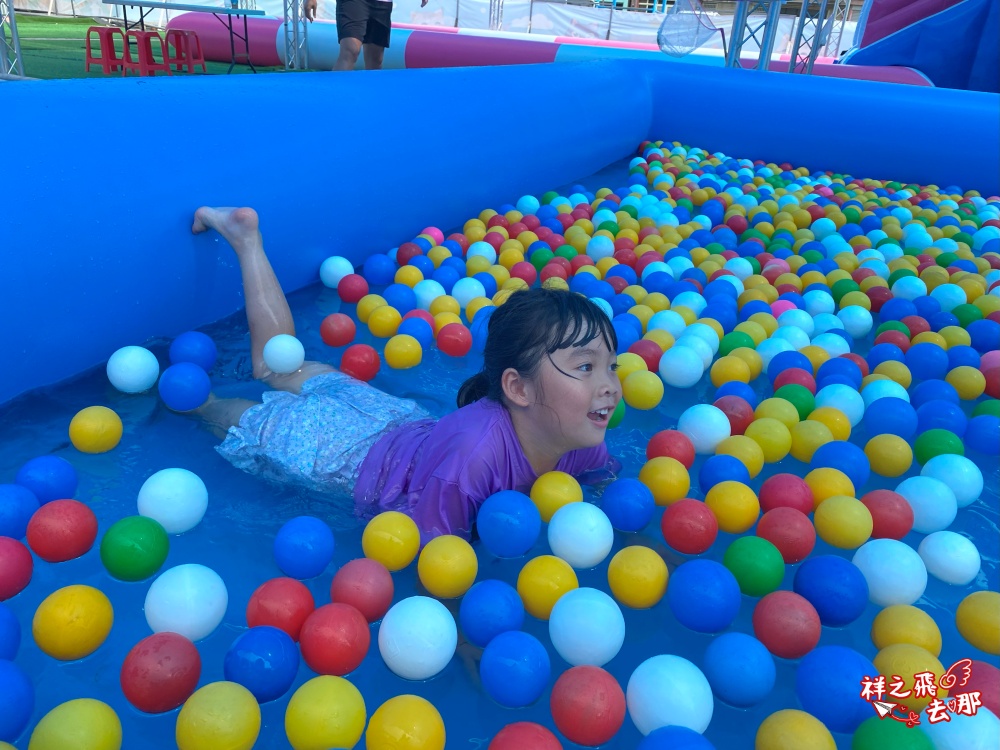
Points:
367	20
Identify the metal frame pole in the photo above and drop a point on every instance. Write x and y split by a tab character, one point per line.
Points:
11	61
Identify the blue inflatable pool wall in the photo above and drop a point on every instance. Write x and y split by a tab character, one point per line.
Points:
96	237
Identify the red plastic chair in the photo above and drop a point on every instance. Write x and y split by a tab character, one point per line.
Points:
146	64
184	50
107	56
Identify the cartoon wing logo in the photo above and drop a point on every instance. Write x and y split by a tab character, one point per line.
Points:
958	675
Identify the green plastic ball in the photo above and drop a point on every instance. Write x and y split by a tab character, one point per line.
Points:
756	563
134	548
935	443
798	396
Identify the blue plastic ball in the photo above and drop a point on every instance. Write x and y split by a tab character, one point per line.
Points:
18	700
927	361
49	478
10	633
884	353
515	669
704	596
963	356
489	608
740	669
17	505
508	523
447	277
401	297
674	737
184	386
480	328
738	388
942	415
628	504
488	282
195	347
786	360
839	367
264	660
626	334
933	390
722	468
985	335
983	434
845	456
419	329
303	547
835	587
379	270
828	685
891	416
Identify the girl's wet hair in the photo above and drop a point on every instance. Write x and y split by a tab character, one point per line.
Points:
529	326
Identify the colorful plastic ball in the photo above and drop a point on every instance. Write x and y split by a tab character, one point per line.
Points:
417	638
80	724
552	490
671	444
284	354
17	505
845	457
807	437
281	602
902	623
691	703
835	420
392	538
628	504
906	661
508	523
739	412
10	633
49	478
133	369
756	563
963	732
937	443
16	566
983	434
722	468
264	660
740	669
195	347
337	329
978	620
220	714
406	722
787	624
184	386
18	700
72	622
489	608
62	530
447	566
352	288
932	501
790	531
894	571
892	416
637	577
303	547
514	669
364	584
581	534
189	599
325	712
334	639
175	498
825	483
524	734
835	587
705	425
160	672
542	582
875	733
455	340
333	269
689	526
786	491
985	679
950	557
961	475
674	738
681	367
666	478
360	361
844	398
843	522
826	683
642	390
586	627
773	437
735	506
587	705
704	596
134	548
403	352
791	729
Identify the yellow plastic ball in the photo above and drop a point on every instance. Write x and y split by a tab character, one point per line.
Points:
664	338
843	522
772	436
906	660
447	566
751	357
628	363
826	482
95	429
444	303
81	724
735	506
403	352
477	264
807	437
72	622
791	729
753	330
408	275
968	381
728	369
637	577
384	321
978	620
554	282
475	305
896	371
542	581
834	419
368	304
903	623
218	715
667	478
438	254
955	336
325	712
643	390
392	538
406	722
816	355
889	455
745	449
552	490
444	318
777	408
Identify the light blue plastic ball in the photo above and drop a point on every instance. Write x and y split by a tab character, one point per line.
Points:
466	290
877	389
961	475
844	398
427	291
691	702
681	367
933	503
133	369
857	321
909	287
817	301
586	627
690	300
949	296
894	571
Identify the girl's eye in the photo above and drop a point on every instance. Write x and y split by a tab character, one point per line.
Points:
586	368
614	367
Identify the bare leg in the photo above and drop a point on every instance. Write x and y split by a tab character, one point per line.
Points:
222	413
350	48
373	56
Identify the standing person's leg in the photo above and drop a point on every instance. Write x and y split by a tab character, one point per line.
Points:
352	20
377	32
373	56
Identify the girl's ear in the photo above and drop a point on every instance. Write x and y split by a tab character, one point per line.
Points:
515	388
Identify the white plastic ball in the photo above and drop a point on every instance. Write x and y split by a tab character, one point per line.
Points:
586	626
417	638
824	322
798	318
793	335
284	354
669	690
979	732
604	305
768	349
950	557
932	501
667	320
706	333
527	204
706	426
133	369
909	287
188	599
681	367
427	291
961	475
657	266
894	571
466	290
334	269
844	398
698	346
482	250
857	321
581	534
740	267
691	300
819	302
949	296
678	265
832	344
175	498
877	389
600	247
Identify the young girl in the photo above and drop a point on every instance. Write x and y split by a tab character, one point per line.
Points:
542	402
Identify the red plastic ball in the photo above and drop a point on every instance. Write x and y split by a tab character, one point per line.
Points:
579	261
532	222
525	735
334	639
860	361
790	531
352	288
738	224
617	283
985	680
407	252
878	295
494	239
787	624
423	315
739	412
689	526
566	220
366	585
497	220
588	705
337	329
898	338
644	260
992	375
160	672
553	269
62	530
916	325
461	239
786	491
892	515
796	376
525	271
672	444
516	228
16	566
360	361
455	340
283	603
649	350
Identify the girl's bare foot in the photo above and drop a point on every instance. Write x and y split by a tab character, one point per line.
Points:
239	226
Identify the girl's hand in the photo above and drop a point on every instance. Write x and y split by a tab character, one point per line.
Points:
309	9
